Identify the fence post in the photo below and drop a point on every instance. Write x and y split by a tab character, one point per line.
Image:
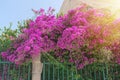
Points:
36	68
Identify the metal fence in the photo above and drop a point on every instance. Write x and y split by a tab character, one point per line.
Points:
52	71
10	71
92	72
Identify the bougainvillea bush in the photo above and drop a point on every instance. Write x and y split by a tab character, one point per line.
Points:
82	36
6	37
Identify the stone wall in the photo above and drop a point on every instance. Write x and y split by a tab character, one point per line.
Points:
70	4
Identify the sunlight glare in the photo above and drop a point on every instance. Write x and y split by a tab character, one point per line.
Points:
115	8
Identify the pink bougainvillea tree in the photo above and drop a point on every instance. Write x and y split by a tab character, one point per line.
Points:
82	36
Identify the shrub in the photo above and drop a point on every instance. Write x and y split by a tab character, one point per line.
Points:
82	36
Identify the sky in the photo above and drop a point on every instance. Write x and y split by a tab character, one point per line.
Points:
12	11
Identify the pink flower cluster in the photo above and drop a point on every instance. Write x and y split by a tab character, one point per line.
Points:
76	37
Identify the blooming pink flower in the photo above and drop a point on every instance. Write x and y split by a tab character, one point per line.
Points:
74	37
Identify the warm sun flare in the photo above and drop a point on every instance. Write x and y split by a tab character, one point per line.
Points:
115	7
112	5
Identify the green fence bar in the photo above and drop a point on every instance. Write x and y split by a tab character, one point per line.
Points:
53	72
29	72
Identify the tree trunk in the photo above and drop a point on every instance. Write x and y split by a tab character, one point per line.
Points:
36	68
